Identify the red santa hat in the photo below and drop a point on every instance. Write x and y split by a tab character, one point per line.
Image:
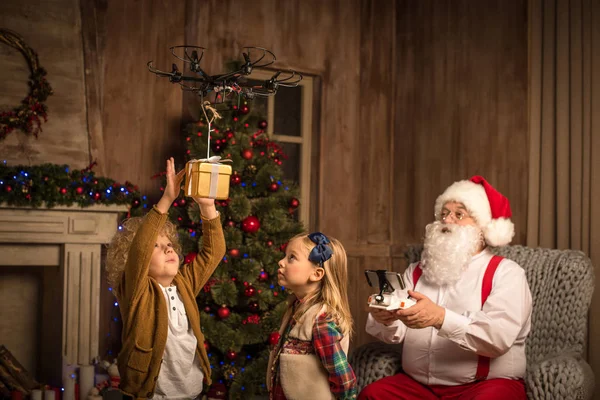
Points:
489	208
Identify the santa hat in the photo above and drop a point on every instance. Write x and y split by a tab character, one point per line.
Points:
489	208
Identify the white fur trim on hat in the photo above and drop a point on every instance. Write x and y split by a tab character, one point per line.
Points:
499	232
472	196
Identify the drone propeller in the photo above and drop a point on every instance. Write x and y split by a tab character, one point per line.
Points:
292	80
257	63
174	76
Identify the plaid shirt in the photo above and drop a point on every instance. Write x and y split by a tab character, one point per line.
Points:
326	345
326	341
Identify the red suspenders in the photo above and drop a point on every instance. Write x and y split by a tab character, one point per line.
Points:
483	364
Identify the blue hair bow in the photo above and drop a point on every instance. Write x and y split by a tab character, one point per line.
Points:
321	252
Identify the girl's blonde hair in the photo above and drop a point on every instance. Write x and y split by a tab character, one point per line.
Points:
118	249
334	285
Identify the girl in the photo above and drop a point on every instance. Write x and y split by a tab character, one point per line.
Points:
163	353
309	362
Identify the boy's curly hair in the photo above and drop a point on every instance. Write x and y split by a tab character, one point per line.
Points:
118	249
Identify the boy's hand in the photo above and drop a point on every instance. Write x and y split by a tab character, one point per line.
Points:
202	201
173	181
173	187
207	207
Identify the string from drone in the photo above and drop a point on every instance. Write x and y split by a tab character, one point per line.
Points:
215	115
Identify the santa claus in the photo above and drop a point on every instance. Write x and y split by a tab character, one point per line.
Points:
465	336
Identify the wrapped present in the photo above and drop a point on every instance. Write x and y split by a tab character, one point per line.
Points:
207	178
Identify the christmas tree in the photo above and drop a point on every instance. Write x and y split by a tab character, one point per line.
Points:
242	304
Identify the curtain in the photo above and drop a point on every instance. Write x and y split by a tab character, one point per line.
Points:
564	127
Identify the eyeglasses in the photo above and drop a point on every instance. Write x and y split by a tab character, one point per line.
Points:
445	214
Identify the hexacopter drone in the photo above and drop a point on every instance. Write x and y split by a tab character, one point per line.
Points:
225	85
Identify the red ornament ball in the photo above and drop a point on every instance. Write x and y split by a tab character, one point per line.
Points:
232	355
207	309
62	191
269	243
251	224
79	190
283	247
223	312
253	306
247	154
294	202
274	338
273	187
250	291
206	346
182	202
234	252
97	196
229	134
263	276
244	109
236	179
8	188
189	257
263	124
230	223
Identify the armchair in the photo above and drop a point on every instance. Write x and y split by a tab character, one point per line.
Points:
561	283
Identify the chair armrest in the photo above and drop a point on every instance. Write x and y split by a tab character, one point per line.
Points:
376	360
560	377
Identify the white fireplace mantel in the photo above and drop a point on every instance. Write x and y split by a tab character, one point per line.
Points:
70	238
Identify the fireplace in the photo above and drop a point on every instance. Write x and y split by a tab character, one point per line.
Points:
50	268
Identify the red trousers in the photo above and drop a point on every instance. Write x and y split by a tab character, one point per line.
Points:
403	387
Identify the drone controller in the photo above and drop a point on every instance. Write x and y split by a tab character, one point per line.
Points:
388	282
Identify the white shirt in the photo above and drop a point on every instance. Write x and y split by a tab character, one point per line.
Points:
180	375
449	356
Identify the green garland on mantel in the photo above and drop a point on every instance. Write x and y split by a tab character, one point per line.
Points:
52	185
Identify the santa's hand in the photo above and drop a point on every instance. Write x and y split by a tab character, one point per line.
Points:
384	317
423	314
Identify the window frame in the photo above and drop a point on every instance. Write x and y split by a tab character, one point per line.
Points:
305	140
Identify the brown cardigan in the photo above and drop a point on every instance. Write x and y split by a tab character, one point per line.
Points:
143	306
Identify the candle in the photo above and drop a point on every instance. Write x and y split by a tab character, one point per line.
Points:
49	395
69	387
36	394
86	380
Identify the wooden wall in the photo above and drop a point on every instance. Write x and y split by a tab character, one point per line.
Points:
53	30
414	95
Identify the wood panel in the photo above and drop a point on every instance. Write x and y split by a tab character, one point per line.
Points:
140	112
376	103
53	30
412	96
461	106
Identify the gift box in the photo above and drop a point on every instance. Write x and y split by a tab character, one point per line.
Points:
207	179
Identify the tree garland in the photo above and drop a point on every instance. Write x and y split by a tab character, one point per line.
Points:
28	116
52	185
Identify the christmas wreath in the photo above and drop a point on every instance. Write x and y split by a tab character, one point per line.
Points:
28	116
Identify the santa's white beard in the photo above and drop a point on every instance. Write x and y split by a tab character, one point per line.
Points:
447	251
